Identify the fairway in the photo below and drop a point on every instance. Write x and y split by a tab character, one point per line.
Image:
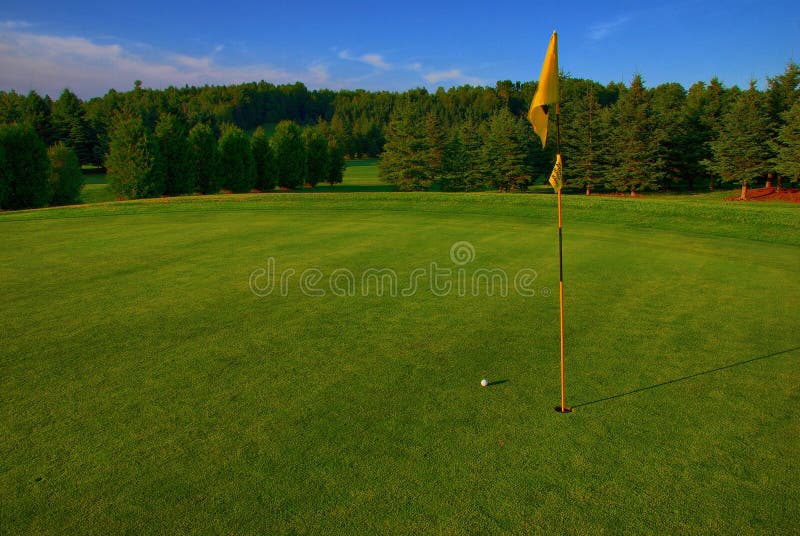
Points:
146	388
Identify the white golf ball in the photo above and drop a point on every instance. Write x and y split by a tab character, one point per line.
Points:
484	382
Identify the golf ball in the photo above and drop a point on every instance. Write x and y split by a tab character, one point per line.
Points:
484	382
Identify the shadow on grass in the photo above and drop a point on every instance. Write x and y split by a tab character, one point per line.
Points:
684	378
498	382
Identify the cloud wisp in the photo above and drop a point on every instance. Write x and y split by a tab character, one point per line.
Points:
601	30
372	59
452	75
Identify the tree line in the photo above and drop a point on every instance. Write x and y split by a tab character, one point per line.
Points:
614	137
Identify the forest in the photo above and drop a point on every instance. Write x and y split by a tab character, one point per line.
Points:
615	137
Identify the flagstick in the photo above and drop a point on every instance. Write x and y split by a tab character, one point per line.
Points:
563	407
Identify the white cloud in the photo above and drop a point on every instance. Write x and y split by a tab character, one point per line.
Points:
375	60
14	24
453	75
48	63
601	30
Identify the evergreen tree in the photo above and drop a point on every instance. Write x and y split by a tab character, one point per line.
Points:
336	164
205	155
508	152
787	146
581	142
26	166
66	179
742	153
266	178
782	93
454	164
70	125
176	151
696	136
476	172
634	160
290	155
237	164
717	103
5	179
317	156
406	152
37	113
134	164
667	103
435	141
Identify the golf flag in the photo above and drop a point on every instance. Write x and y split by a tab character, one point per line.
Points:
546	91
557	177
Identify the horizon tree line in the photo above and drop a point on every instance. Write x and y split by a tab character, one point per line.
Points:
615	137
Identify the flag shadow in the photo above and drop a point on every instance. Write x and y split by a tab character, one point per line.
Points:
684	378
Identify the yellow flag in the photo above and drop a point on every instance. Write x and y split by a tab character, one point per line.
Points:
546	91
557	176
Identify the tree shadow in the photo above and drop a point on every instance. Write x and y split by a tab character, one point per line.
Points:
684	378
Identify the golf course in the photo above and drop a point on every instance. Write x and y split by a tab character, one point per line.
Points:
149	387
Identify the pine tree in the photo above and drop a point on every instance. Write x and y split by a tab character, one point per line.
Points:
508	152
69	121
290	155
742	153
405	154
435	140
454	164
336	164
316	149
237	165
634	162
476	172
205	158
667	103
135	166
581	140
175	149
787	145
266	178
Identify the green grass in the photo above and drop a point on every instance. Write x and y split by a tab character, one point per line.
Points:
146	389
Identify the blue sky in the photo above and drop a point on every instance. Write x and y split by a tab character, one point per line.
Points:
93	46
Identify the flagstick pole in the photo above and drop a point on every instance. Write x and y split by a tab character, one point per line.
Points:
563	407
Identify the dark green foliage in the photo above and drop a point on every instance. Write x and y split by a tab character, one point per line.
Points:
237	165
316	147
266	174
135	166
5	187
509	152
69	121
336	164
782	93
406	153
741	153
26	168
66	179
290	155
582	138
787	158
175	149
206	160
635	162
